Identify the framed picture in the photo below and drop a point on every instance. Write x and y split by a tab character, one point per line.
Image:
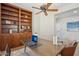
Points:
73	26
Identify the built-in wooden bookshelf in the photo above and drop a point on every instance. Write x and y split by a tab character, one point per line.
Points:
9	19
13	18
0	30
15	25
26	20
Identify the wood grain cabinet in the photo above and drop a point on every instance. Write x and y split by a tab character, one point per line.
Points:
4	41
0	44
15	25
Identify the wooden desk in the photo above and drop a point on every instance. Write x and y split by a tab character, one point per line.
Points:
46	48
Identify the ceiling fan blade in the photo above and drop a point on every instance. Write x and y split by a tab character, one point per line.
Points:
45	13
38	12
36	7
47	6
52	9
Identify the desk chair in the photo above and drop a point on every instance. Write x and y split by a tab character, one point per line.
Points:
69	51
7	50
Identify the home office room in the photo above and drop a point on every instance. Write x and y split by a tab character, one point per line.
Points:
39	29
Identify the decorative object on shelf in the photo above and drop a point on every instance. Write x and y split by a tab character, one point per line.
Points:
14	22
8	22
10	31
23	27
25	20
28	27
26	16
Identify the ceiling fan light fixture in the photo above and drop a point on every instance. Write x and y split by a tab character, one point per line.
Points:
44	8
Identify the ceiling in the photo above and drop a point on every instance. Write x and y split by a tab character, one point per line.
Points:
61	6
29	5
69	13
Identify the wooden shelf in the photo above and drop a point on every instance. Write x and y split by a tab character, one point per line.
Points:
7	18
29	18
26	21
9	14
9	24
9	9
8	28
24	13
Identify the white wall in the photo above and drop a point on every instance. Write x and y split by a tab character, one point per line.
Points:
44	25
47	26
61	24
62	32
36	24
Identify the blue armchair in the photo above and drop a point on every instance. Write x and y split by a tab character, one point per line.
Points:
34	41
34	38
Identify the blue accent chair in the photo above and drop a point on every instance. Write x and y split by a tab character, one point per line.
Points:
34	38
34	41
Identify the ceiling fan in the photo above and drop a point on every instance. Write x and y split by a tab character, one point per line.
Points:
44	8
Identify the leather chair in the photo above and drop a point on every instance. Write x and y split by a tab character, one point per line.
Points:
75	44
69	51
7	50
